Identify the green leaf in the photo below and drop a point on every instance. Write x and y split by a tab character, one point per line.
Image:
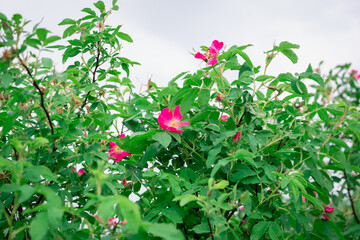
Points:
26	191
286	45
67	21
51	39
314	200
323	115
263	78
131	212
290	55
37	173
106	208
173	215
221	185
245	57
201	228
185	199
246	156
6	80
89	11
37	143
124	37
163	138
47	63
39	226
188	100
100	5
42	33
259	230
165	231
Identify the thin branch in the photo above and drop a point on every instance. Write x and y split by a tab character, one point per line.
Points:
351	200
94	75
211	232
243	220
41	94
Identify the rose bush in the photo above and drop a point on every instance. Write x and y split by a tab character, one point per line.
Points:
83	156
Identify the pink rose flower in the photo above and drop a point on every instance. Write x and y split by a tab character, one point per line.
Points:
211	54
169	121
116	152
242	208
224	117
237	136
125	183
355	74
326	217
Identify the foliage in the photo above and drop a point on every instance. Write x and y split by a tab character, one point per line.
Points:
260	158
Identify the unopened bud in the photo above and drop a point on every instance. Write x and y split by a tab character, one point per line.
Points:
60	110
77	102
2	96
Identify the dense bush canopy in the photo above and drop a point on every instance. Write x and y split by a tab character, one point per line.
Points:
227	152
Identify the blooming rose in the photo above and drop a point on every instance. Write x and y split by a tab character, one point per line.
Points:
211	54
116	152
169	121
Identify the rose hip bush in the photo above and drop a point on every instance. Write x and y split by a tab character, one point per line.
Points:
227	152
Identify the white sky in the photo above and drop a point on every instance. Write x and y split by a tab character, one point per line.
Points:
165	31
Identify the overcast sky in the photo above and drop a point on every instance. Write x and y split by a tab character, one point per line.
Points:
165	31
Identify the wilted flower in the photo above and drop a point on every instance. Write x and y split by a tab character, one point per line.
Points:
328	209
236	137
116	152
168	120
211	54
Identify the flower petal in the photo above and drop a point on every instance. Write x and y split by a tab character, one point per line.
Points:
172	129
213	52
165	117
200	56
183	123
125	154
121	136
217	45
112	144
212	61
177	114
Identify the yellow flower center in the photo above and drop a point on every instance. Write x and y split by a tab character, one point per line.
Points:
117	149
174	123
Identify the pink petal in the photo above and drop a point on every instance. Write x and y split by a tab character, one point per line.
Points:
223	117
217	45
183	123
125	154
124	182
213	52
326	217
165	117
212	61
242	208
200	56
81	172
177	114
116	156
172	129
112	144
121	136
